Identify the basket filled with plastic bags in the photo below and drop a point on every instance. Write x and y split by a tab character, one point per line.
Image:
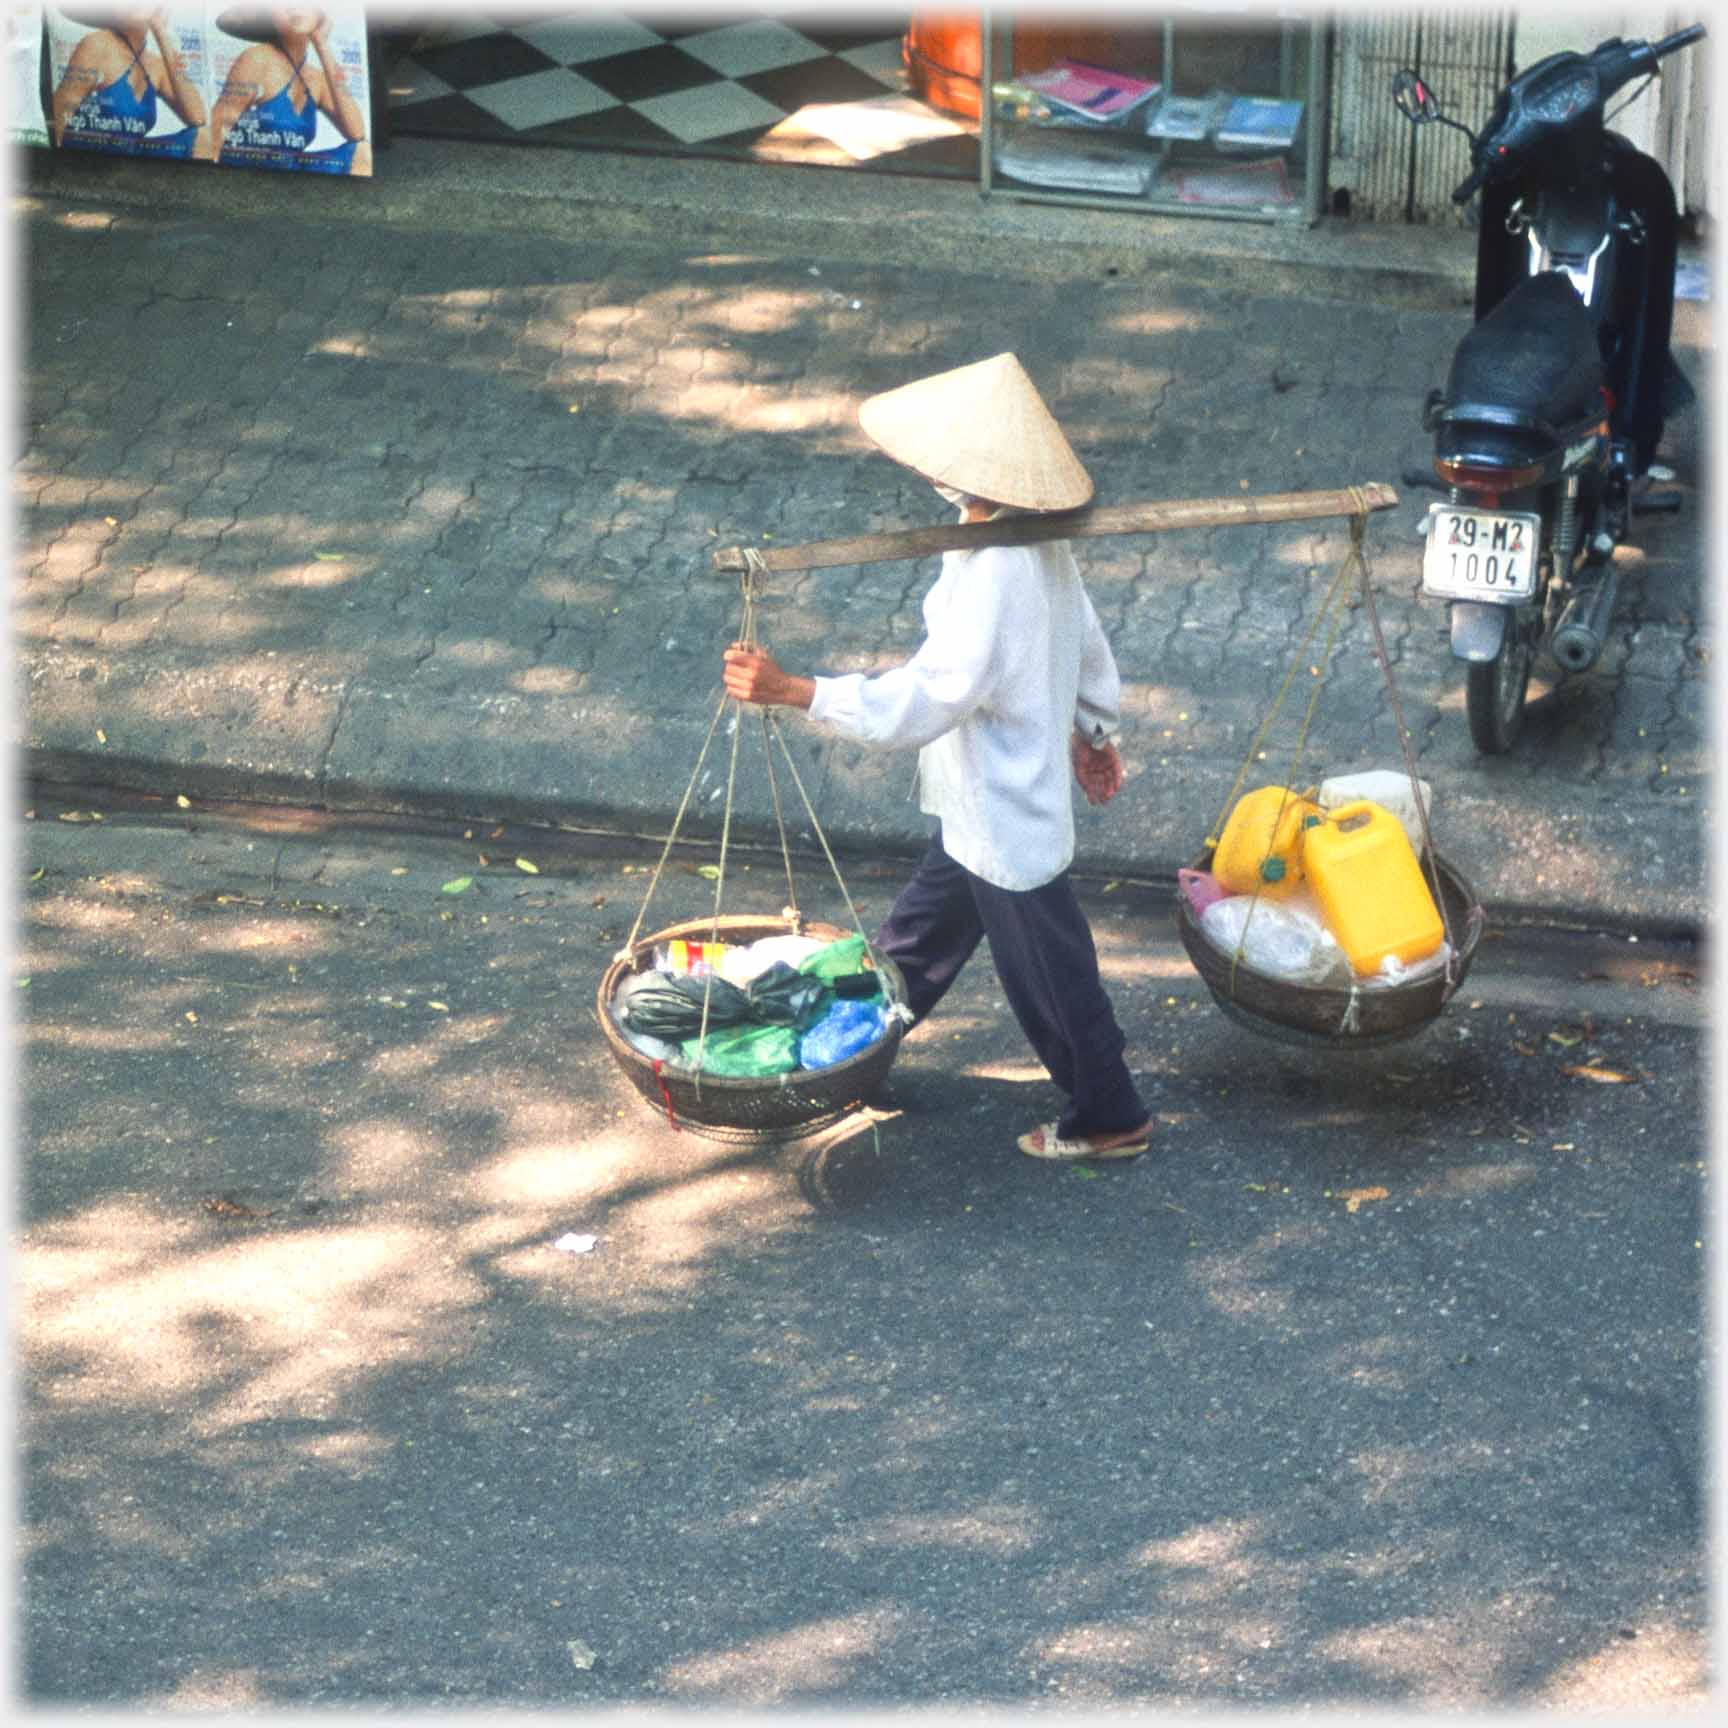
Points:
745	1027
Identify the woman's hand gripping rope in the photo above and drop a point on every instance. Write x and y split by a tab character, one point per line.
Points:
752	675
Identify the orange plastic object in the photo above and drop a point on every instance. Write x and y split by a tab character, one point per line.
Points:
1259	850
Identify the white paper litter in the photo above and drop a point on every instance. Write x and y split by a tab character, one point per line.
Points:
574	1244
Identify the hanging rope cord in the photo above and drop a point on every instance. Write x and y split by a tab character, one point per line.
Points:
1358	527
750	584
1331	614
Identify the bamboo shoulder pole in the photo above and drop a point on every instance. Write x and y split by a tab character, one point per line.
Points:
1087	524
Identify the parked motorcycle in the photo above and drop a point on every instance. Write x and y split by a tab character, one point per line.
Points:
1545	436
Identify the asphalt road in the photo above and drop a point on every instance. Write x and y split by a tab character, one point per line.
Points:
1379	1382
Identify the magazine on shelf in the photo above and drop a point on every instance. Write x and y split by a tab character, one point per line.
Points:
1089	92
1260	123
1244	185
1189	118
1076	162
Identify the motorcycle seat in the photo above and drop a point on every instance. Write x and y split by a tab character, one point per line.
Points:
1532	363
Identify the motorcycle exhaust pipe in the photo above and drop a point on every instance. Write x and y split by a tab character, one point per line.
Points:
1582	632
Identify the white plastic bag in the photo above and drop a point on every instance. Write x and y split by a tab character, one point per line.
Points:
1282	939
1393	971
1387	788
743	964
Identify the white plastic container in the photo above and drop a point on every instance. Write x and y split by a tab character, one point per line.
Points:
1386	787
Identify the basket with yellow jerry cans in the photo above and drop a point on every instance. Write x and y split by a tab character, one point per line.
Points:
1325	914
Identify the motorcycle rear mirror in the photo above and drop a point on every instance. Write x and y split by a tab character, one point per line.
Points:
1416	102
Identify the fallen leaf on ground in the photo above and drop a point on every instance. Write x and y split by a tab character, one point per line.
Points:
101	736
1353	1197
329	557
1608	1076
531	868
73	816
1667	975
224	1207
460	885
183	801
1522	1048
1564	1039
711	871
580	1655
442	1007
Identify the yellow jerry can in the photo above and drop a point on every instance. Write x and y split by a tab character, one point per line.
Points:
1260	846
1362	869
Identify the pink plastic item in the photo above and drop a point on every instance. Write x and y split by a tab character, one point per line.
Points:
1201	887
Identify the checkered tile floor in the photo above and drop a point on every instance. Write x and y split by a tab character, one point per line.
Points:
781	88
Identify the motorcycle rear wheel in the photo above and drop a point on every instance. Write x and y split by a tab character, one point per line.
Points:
1494	696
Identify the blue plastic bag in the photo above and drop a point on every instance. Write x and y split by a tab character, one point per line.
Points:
847	1028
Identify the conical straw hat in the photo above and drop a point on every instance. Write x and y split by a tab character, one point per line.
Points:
982	429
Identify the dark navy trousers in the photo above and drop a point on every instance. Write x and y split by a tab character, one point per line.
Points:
1044	954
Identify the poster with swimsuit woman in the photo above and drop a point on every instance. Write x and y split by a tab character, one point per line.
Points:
128	80
26	112
294	88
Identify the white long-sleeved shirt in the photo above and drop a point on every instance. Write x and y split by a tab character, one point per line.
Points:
1013	660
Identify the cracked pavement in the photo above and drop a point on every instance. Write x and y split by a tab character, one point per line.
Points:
386	517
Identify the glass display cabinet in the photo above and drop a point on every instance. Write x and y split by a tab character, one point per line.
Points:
1207	112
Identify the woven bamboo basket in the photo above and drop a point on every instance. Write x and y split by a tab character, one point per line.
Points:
722	1106
1315	1015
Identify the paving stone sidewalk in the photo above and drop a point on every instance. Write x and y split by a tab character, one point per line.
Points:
387	517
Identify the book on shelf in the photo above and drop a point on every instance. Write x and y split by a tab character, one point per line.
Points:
1186	118
1076	162
1089	92
1260	123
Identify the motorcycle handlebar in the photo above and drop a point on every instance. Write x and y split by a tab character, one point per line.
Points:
1618	63
1680	39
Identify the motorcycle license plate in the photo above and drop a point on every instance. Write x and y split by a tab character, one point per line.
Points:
1480	554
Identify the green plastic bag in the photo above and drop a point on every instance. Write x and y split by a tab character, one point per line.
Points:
744	1052
838	960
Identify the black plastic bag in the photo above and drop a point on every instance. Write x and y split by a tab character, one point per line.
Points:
784	996
669	1005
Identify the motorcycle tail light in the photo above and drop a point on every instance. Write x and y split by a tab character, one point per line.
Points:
1486	477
